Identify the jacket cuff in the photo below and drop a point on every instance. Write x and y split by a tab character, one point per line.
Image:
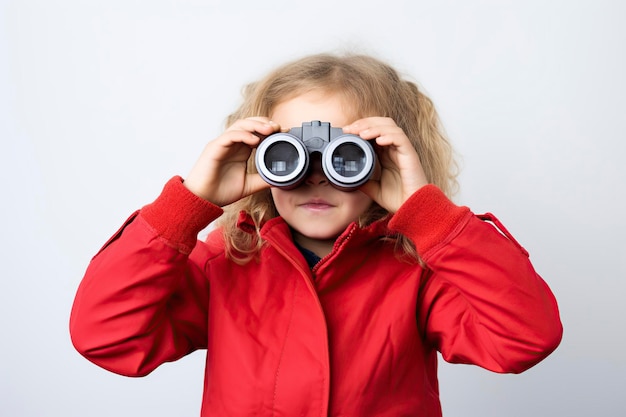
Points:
178	215
428	218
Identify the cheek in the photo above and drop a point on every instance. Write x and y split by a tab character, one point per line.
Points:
280	199
359	203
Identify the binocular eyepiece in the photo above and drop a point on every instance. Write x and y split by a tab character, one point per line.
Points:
283	159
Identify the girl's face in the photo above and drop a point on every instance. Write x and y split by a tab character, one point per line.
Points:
316	211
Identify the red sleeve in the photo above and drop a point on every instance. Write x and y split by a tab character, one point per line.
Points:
143	300
481	302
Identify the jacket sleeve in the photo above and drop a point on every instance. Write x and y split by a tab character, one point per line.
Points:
481	301
143	299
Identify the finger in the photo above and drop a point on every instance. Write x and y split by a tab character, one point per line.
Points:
260	125
386	132
235	137
250	133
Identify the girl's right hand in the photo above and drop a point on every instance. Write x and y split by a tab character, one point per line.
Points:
220	175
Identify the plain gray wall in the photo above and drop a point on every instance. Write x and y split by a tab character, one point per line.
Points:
102	101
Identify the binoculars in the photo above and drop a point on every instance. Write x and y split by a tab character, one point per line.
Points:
283	159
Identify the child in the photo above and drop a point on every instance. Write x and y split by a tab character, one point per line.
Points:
316	301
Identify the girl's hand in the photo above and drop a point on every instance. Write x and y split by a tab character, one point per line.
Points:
401	173
220	175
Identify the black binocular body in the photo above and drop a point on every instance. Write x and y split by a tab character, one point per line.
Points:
283	159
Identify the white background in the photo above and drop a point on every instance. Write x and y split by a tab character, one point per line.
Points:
102	101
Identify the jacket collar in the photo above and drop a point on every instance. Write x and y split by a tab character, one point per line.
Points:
276	230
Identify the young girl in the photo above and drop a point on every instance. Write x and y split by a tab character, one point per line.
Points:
316	301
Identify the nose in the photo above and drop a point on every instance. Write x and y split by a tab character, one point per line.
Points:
316	173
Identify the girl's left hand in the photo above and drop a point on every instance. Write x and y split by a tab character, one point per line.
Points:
400	172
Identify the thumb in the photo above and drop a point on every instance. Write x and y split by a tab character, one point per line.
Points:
372	190
255	183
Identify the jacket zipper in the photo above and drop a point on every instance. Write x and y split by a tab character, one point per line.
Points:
309	284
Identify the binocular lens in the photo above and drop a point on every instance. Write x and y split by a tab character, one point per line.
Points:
348	160
281	158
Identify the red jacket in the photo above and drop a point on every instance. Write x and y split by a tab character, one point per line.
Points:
355	336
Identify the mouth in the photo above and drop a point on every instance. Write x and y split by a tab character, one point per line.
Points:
317	205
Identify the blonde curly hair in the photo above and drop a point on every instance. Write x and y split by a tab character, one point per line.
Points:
373	88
